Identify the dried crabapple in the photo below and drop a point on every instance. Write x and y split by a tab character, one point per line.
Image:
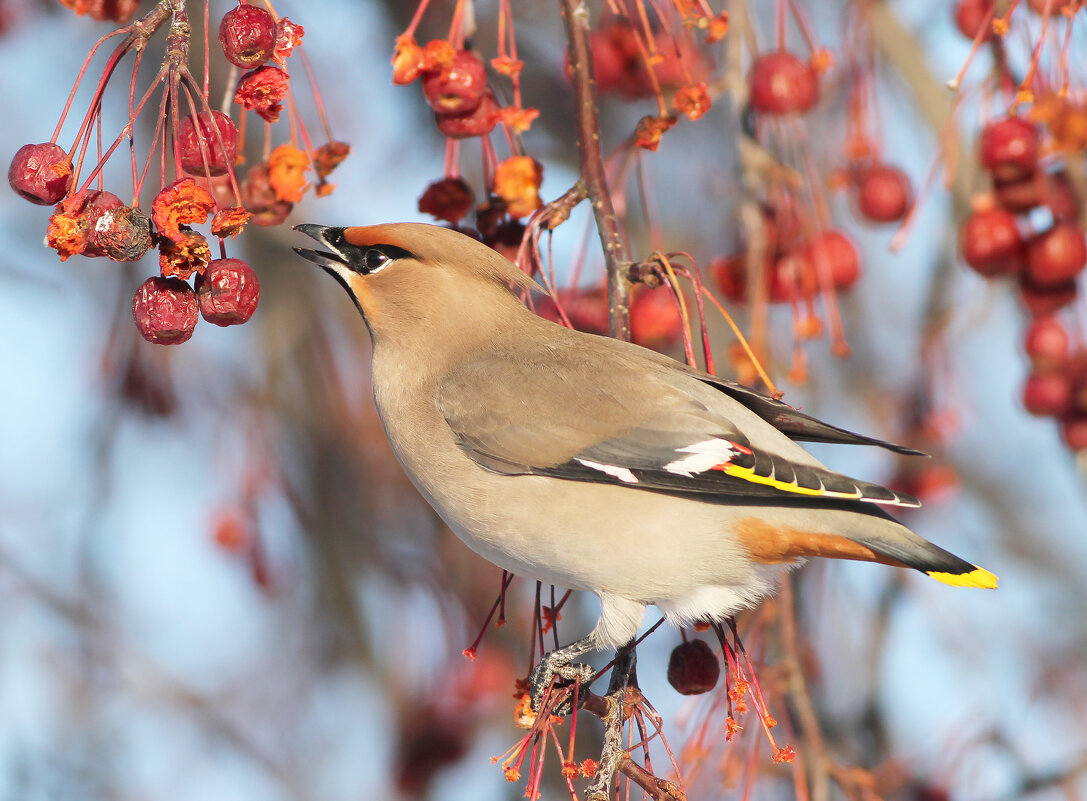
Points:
164	310
448	199
41	173
259	198
1074	431
456	87
834	255
1042	300
122	234
72	224
184	254
1057	256
247	35
1052	190
227	292
210	135
1047	394
970	15
693	668
991	242
119	11
262	90
782	84
655	320
480	121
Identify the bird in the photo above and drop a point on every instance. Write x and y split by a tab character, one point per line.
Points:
592	463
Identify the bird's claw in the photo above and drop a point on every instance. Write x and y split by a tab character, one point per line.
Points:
556	667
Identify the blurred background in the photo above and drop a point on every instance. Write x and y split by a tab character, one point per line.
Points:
216	583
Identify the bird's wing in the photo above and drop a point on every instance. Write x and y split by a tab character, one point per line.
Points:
560	414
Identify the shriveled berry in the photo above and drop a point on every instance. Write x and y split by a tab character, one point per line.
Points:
247	35
506	238
41	173
883	193
227	292
209	137
833	254
1047	394
98	205
1009	148
259	198
782	84
1052	190
1047	343
480	121
1057	256
165	310
448	199
261	90
458	86
122	234
1074	431
119	11
991	243
693	668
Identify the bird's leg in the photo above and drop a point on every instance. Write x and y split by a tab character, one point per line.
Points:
559	664
611	757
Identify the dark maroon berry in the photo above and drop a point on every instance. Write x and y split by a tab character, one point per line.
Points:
122	234
41	173
693	668
227	292
165	310
210	135
247	35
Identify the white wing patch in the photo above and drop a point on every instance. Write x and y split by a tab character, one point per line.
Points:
704	455
620	473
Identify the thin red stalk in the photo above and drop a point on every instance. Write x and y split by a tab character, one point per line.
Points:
190	85
317	99
127	131
207	48
131	117
781	25
83	71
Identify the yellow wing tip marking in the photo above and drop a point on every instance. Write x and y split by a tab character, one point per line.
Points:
978	577
748	474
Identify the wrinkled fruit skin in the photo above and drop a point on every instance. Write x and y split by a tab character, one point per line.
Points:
457	87
41	173
693	668
99	204
165	310
259	198
248	36
199	138
991	243
227	292
122	234
782	84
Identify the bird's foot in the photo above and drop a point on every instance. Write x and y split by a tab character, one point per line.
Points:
557	670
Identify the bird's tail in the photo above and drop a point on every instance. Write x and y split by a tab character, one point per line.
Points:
920	554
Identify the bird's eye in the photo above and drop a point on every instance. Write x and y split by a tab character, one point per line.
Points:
374	260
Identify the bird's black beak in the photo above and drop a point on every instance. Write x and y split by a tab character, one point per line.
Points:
333	260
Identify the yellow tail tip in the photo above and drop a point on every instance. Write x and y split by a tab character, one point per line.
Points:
978	577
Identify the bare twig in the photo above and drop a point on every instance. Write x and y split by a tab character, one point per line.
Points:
575	14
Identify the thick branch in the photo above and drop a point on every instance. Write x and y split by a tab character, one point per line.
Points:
575	14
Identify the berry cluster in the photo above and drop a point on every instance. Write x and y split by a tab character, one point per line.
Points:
1028	225
202	145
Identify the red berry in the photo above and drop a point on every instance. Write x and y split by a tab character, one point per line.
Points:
782	84
480	121
456	87
165	310
122	234
1053	190
1047	343
227	292
260	199
883	193
209	136
448	199
586	309
1055	6
1009	148
1057	256
119	11
693	668
1047	394
506	238
41	173
1043	300
782	277
970	16
834	255
991	243
247	35
655	321
1074	431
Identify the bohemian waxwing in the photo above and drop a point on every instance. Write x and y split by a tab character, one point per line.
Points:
587	462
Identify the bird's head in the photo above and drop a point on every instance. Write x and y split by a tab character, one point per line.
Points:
406	275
